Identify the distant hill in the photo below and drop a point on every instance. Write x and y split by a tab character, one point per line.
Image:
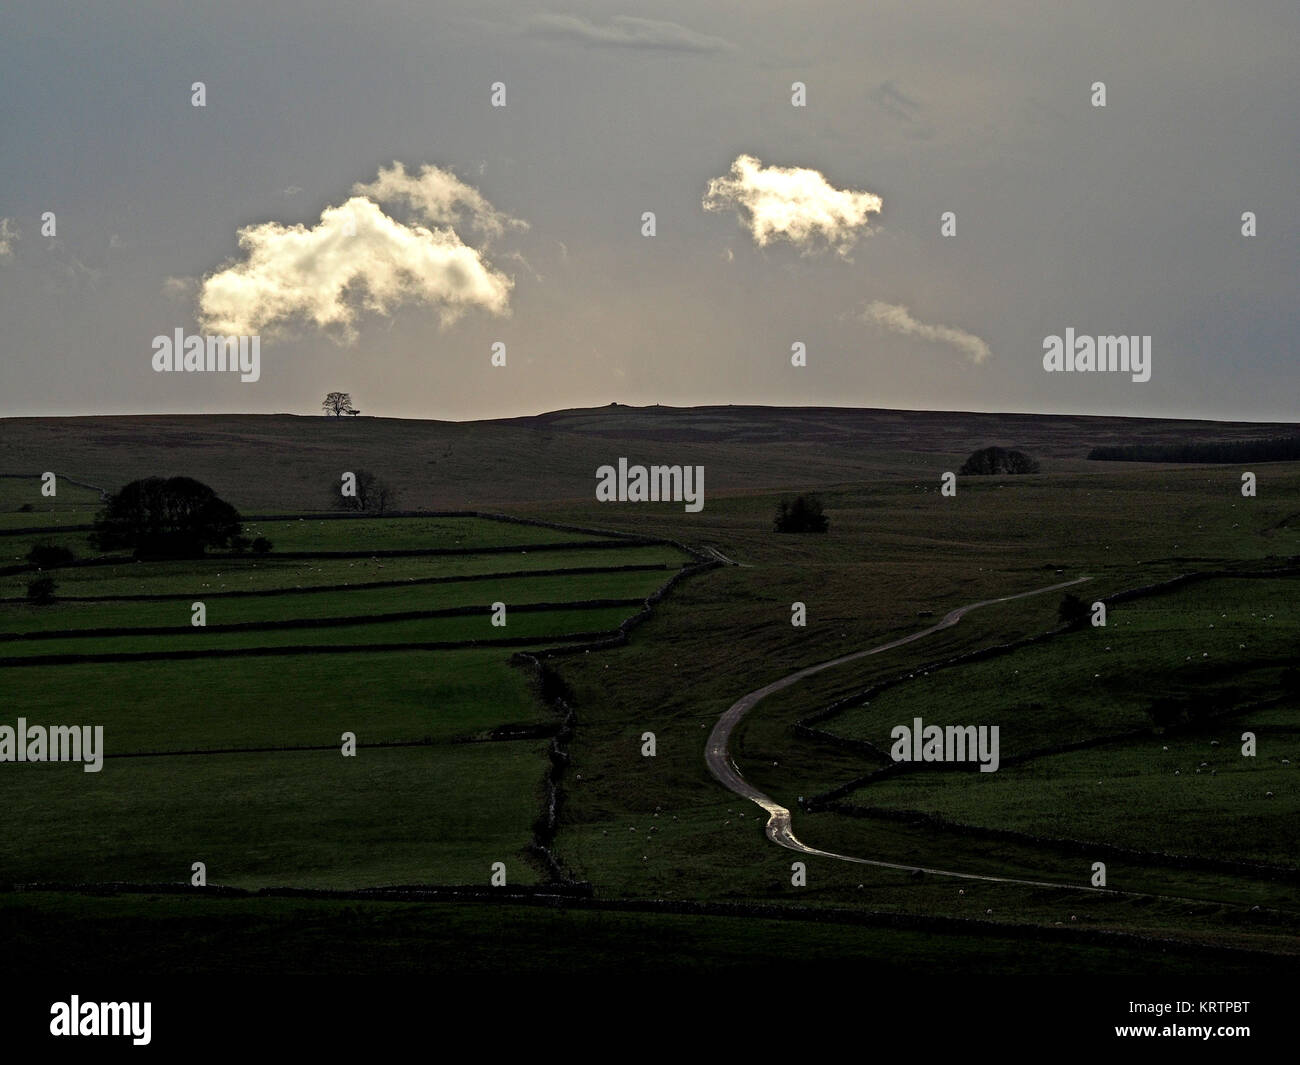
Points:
273	462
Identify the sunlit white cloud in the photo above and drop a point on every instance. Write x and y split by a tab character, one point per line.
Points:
792	203
357	259
439	197
898	319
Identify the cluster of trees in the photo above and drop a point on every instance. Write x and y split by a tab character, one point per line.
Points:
157	518
998	460
172	517
802	515
366	492
1274	449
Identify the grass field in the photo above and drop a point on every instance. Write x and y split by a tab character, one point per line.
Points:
898	556
1203	650
293	701
53	934
237	762
191	578
24	617
1243	811
337	534
308	818
23	506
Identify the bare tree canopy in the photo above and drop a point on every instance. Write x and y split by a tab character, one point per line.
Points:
337	403
366	492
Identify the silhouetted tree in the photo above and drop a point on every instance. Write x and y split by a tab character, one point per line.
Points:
1073	610
804	514
41	590
337	403
47	556
374	494
998	460
175	517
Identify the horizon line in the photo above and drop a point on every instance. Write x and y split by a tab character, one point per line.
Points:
668	407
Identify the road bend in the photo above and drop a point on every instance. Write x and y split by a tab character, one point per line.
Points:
779	829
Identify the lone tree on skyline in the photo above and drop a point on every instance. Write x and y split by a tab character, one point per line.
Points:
174	517
337	403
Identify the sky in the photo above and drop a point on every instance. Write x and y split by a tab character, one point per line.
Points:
349	194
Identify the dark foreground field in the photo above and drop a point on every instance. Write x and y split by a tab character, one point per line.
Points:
224	742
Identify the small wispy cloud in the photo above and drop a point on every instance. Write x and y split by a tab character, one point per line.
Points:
180	287
625	31
898	319
792	203
902	108
892	100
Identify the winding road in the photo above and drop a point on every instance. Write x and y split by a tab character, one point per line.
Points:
779	829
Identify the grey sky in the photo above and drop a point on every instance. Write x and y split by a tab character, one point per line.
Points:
1117	220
